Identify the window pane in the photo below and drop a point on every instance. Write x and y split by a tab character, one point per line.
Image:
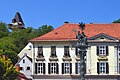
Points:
102	50
53	50
66	50
67	67
102	67
40	68
53	68
40	50
78	68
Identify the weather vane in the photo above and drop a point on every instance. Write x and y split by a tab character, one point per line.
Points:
82	26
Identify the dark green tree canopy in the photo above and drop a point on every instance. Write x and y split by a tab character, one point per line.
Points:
8	48
116	21
23	36
3	30
45	29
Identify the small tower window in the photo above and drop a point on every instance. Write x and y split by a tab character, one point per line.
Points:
30	47
23	60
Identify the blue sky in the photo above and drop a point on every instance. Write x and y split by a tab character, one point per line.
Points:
36	13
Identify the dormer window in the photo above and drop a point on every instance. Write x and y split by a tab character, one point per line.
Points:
53	51
40	51
66	51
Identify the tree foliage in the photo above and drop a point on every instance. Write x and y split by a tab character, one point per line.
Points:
3	30
116	21
11	43
7	70
9	48
22	37
45	29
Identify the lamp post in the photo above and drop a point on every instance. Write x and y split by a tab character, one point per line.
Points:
82	46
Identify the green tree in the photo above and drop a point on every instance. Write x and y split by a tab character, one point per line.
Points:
116	21
3	30
11	43
9	48
22	37
7	70
45	29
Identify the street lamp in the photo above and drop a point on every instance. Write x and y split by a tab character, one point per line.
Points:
82	46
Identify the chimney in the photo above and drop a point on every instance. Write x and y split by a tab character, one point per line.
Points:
91	22
66	22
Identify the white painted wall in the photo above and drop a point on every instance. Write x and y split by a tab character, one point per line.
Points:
91	56
27	63
93	60
111	60
59	53
27	50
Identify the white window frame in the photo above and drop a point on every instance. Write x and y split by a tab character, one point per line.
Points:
40	68
102	67
102	50
66	68
53	68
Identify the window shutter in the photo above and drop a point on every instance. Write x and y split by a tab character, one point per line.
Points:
107	68
97	50
85	68
70	68
49	68
57	68
107	50
98	67
76	68
62	68
76	52
43	68
35	68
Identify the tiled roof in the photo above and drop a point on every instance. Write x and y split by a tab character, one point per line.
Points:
68	31
22	76
22	58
